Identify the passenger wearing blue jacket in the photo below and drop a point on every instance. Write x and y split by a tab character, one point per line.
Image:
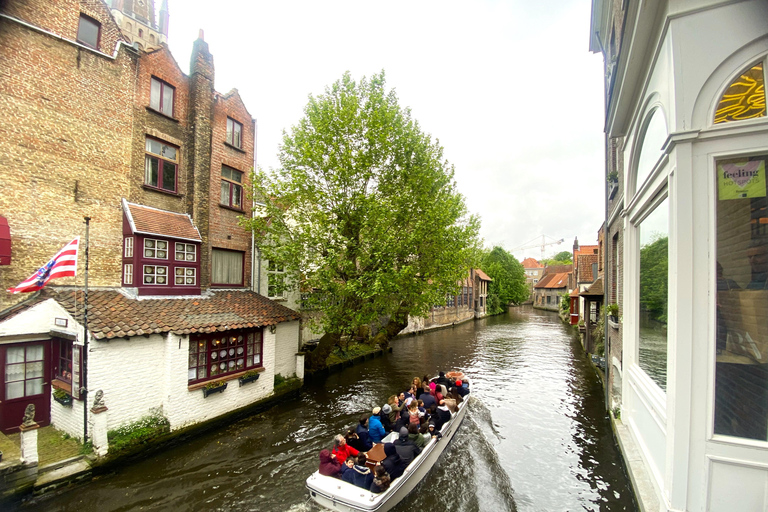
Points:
376	430
359	474
362	433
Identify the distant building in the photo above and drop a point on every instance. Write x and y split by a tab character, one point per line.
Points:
533	272
138	22
553	284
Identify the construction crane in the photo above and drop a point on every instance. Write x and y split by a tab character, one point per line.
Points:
543	244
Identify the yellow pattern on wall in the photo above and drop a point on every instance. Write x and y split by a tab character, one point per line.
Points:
744	98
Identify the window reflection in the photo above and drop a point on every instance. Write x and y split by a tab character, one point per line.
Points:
741	343
654	263
650	152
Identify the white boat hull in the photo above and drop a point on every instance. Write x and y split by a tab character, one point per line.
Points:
335	494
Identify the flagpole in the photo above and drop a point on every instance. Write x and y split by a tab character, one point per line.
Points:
84	389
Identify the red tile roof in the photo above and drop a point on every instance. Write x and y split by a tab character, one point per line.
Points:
114	315
531	263
550	281
152	221
482	275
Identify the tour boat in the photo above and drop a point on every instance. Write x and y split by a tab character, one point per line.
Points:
336	494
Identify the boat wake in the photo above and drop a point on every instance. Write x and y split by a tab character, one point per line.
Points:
468	476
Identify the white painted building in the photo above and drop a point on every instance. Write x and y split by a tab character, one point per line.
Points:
685	110
150	363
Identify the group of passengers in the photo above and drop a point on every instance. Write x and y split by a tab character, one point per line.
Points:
416	414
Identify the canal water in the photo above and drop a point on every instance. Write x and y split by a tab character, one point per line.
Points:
536	437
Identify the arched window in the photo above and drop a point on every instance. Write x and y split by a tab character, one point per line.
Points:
744	98
128	28
650	149
141	33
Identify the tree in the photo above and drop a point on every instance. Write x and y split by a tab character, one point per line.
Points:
561	258
364	213
508	277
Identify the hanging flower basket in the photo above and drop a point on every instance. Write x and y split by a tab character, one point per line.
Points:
214	387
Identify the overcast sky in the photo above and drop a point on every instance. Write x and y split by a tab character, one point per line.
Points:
509	88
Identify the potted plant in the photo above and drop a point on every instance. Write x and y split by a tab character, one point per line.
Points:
212	387
613	183
249	376
62	397
582	327
612	310
612	177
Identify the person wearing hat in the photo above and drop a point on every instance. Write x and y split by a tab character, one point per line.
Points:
376	430
384	416
461	389
406	449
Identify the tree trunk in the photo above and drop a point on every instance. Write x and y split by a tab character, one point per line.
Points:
397	323
315	360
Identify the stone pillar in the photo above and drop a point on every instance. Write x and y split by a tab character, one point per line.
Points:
99	431
300	365
29	437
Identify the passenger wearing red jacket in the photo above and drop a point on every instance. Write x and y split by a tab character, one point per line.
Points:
341	449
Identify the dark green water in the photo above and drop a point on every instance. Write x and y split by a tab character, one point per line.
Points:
536	437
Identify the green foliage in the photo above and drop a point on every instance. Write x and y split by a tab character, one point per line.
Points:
565	302
138	432
565	257
364	211
60	393
598	335
508	274
351	351
612	310
654	264
279	379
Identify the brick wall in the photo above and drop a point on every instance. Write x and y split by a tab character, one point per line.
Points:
224	229
65	128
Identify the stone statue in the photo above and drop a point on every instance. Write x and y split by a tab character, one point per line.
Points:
29	416
98	401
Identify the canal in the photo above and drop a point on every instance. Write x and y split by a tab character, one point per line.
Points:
536	437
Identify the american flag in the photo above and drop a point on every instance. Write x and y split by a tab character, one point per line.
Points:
62	265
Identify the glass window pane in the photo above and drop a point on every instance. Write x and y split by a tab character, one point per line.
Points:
154	95
227	267
744	98
88	32
237	194
168	100
654	262
169	152
14	390
14	355
34	387
741	269
650	152
34	370
169	176
151	171
154	146
226	173
224	198
35	353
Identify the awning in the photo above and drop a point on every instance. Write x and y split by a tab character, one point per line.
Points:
5	242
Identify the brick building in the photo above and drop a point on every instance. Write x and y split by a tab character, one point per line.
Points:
92	126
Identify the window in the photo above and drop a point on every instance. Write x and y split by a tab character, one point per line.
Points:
653	140
654	264
160	165
64	363
88	32
128	251
155	274
24	371
231	188
451	301
741	270
161	97
186	276
128	273
275	281
227	267
744	98
185	252
155	249
213	356
234	133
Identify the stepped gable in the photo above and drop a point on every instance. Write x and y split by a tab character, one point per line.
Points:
114	315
